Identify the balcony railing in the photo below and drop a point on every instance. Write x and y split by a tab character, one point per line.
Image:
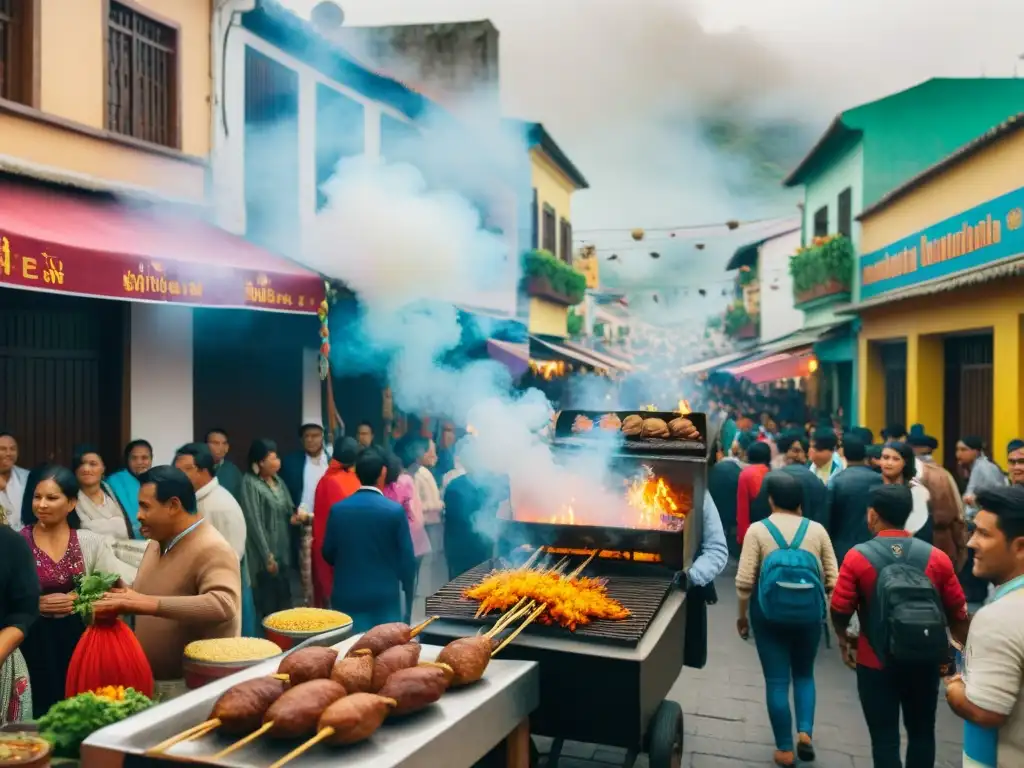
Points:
546	277
822	271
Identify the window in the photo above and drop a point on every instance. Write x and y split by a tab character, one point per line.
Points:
821	221
535	222
550	243
845	225
340	133
142	83
16	50
565	237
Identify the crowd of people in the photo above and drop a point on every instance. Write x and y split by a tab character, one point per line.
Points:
918	571
203	548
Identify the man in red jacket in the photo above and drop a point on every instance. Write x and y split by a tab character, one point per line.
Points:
885	690
338	483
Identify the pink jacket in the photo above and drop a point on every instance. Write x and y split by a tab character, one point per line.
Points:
403	490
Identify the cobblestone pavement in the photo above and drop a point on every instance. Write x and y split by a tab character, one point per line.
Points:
725	719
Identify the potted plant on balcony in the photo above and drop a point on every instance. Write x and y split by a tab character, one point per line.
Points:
823	268
546	277
738	323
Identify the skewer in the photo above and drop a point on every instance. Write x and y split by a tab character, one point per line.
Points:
586	562
203	728
244	741
324	733
422	625
533	558
516	613
520	628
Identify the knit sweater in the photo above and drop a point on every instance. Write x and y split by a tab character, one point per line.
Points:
199	588
758	544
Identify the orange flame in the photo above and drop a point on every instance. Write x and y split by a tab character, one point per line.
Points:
549	369
684	407
652	505
651	408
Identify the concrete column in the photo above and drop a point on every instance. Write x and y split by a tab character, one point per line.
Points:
926	381
1007	370
870	386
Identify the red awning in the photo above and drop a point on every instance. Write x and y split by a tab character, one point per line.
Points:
787	365
65	241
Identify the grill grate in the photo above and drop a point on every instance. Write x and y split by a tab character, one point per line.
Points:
642	595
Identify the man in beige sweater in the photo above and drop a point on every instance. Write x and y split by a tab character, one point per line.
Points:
188	586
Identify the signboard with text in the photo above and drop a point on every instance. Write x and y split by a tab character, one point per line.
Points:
984	234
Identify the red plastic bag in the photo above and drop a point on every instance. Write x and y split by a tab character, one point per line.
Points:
108	654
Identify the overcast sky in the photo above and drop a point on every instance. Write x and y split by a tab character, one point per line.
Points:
622	87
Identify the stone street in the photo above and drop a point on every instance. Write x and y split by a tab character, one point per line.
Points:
726	722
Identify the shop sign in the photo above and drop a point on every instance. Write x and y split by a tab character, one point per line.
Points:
27	263
987	233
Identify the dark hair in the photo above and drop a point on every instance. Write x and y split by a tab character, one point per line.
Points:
171	483
825	440
394	465
413	450
65	480
864	434
216	431
5	433
346	450
259	450
369	466
892	503
137	444
1007	504
784	490
79	452
746	439
310	425
854	449
759	453
366	424
200	455
894	431
1015	445
908	456
973	442
786	442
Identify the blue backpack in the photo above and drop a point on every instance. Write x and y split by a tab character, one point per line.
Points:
789	589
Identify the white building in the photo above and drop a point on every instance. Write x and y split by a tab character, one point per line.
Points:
778	315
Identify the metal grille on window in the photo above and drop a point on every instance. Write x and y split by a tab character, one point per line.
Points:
141	77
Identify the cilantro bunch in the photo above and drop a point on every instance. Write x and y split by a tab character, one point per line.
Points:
89	589
70	722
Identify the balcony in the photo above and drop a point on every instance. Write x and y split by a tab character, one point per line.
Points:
822	272
740	324
554	281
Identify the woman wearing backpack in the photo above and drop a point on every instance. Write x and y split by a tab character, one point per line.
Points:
786	571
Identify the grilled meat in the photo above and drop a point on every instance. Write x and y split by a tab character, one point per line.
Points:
355	672
633	426
241	707
655	428
468	657
610	422
392	660
308	664
416	688
355	718
382	637
296	712
683	428
582	424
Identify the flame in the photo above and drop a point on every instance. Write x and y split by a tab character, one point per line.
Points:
652	408
548	369
652	498
683	408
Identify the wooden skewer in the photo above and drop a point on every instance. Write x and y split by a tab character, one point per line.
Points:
520	628
163	746
243	742
503	623
533	558
281	677
423	625
324	733
200	734
586	562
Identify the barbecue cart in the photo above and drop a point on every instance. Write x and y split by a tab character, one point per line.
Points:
456	732
606	682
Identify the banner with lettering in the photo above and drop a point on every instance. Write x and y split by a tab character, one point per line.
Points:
26	262
984	234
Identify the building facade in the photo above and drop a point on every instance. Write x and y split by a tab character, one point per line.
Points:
942	281
867	151
109	269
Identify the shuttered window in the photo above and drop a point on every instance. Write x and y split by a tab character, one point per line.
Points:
535	222
565	240
845	202
550	242
16	51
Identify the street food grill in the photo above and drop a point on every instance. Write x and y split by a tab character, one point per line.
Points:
634	552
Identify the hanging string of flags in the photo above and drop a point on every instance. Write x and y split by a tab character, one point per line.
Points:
639	233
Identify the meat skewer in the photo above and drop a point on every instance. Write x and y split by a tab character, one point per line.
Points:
417	688
308	664
468	658
240	709
355	672
384	636
294	714
533	616
349	720
392	660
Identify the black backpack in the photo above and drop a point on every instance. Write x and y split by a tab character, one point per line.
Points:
907	620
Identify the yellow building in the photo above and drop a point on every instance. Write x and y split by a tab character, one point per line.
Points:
942	297
73	109
586	263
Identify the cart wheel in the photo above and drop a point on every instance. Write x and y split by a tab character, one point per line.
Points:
665	747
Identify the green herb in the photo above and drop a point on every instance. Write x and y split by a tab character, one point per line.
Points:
70	722
91	588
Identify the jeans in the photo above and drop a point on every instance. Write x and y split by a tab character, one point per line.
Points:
914	689
786	653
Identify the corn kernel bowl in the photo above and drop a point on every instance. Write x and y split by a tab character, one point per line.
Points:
207	660
290	627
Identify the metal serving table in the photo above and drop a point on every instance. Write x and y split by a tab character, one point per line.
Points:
457	732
